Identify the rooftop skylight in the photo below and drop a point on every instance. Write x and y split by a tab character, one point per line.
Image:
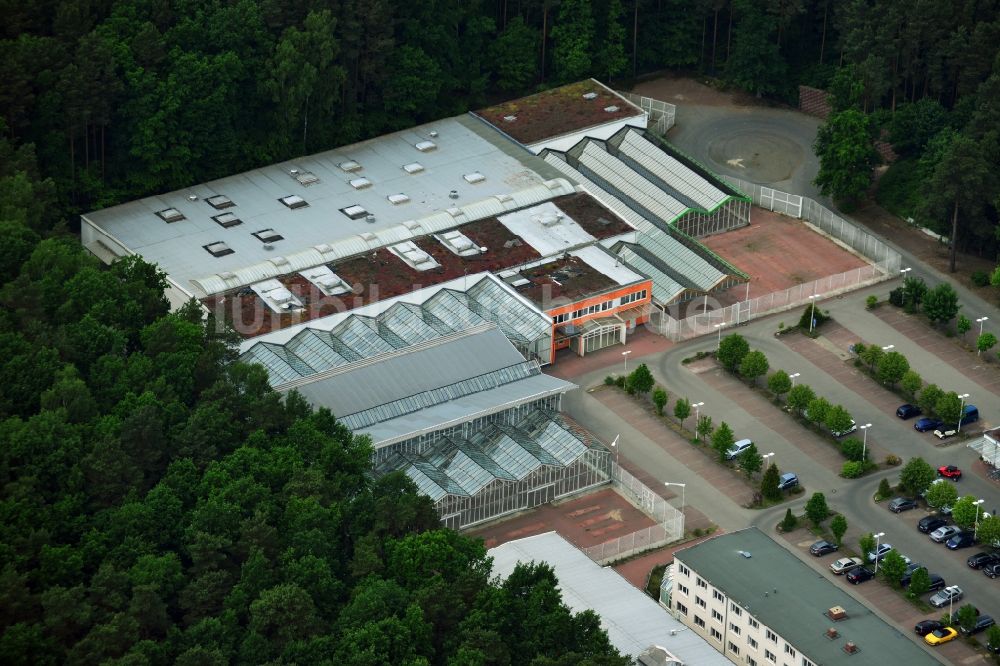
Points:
360	183
226	220
170	215
220	201
413	167
474	177
304	177
218	249
354	212
294	201
268	236
425	146
349	166
397	199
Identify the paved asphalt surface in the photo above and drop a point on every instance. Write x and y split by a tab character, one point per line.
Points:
714	136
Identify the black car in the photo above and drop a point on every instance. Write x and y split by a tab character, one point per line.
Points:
928	524
822	548
925	424
900	504
961	540
859	575
908	574
925	627
937	583
908	411
983	622
982	559
992	570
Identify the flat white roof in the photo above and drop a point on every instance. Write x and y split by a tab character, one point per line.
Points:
546	228
603	261
633	620
463	145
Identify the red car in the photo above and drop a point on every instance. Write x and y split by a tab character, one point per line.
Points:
950	472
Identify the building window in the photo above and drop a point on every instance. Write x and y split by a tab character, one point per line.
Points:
771	636
681	608
751	661
682	588
633	297
806	662
790	651
558	319
716	615
702	583
698	621
770	656
716	634
718	595
754	623
736	610
751	642
700	602
733	628
684	570
732	648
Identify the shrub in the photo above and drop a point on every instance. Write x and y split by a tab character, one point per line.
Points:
980	278
620	381
893	460
789	522
839	527
769	484
659	400
815	313
641	379
817	509
871	301
896	297
884	489
609	381
852	469
852	448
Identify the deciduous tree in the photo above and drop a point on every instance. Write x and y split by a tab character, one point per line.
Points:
732	349
754	365
941	304
838	525
799	397
911	383
682	409
892	367
750	461
779	383
940	495
949	408
722	440
847	157
916	476
816	509
892	567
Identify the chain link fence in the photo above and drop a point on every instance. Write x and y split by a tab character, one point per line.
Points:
662	115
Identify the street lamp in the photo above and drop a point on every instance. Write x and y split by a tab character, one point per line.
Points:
975	527
980	322
614	445
888	347
765	458
812	315
625	356
793	376
864	443
719	328
961	412
904	271
682	486
697	415
877	537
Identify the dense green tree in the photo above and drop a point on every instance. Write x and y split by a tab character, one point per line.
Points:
756	64
911	382
732	349
928	399
722	440
704	427
964	511
891	368
800	396
989	530
949	408
514	55
963	325
914	291
750	461
846	155
769	483
866	544
641	380
853	448
837	419
682	409
610	60
816	509
754	365
659	399
941	304
818	409
966	617
789	522
940	495
779	383
838	525
986	342
916	476
573	40
892	567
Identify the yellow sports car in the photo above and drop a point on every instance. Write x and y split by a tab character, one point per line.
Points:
942	635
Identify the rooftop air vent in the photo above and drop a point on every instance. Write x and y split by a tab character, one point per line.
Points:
355	212
226	220
509	119
413	167
294	201
832	633
590	95
611	109
192	197
278	261
305	177
227	275
433	134
745	554
360	183
503	198
412	225
453	194
474	177
850	648
220	201
268	236
350	166
396	199
218	249
367	237
454	212
169	215
370	219
836	613
425	146
322	248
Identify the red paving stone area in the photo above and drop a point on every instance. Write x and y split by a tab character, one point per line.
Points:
583	521
637	569
978	369
817	447
779	252
642	343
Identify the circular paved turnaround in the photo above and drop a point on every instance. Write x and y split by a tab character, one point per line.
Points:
764	155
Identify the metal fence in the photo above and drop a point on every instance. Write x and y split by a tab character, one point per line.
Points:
662	114
885	263
669	522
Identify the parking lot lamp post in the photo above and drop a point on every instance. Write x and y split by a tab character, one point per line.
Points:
888	347
719	328
697	414
625	356
877	537
864	441
793	376
765	458
682	486
961	412
980	322
812	315
975	525
904	271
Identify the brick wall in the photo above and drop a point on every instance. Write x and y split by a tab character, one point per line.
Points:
813	101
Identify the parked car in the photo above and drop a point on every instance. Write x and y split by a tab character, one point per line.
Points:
859	575
950	472
948	595
822	548
963	540
843	433
880	552
982	559
945	433
983	622
845	564
925	627
970	414
787	481
937	583
928	524
942	635
900	504
908	573
942	534
925	424
992	570
993	647
738	448
907	411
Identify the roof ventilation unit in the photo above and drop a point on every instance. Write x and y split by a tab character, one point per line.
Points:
611	109
413	167
474	177
322	248
850	648
412	225
832	633
192	197
509	119
278	261
350	166
453	194
169	215
836	613
367	237
360	183
425	146
590	95
433	134
503	198
227	275
454	211
370	219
